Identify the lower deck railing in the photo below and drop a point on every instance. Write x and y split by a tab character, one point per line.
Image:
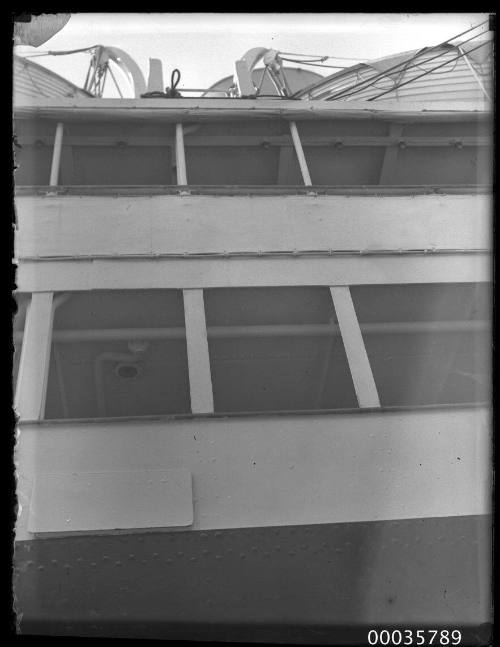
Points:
226	189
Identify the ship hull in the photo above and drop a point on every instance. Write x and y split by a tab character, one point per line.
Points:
286	583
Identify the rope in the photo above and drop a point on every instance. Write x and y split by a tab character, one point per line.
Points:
427	72
406	65
324	58
264	72
170	92
115	82
316	64
61	52
374	78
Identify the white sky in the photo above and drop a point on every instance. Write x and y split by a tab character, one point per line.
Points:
205	46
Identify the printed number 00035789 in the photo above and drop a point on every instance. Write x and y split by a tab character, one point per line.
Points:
415	637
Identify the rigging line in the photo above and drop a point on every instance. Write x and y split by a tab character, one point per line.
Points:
36	55
311	61
115	82
371	81
61	52
474	74
102	79
264	72
401	74
419	67
431	71
341	58
299	60
425	73
315	64
427	49
71	51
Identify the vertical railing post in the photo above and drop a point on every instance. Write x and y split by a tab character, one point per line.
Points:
300	154
200	378
359	364
180	155
56	155
31	390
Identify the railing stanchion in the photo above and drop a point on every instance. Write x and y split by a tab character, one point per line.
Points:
56	155
180	155
300	154
359	364
200	377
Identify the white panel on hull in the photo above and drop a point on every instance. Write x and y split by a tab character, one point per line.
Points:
114	500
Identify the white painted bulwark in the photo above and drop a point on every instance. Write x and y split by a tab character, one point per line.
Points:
353	269
284	470
110	500
87	225
221	109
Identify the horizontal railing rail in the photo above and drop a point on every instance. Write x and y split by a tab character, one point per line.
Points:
47	422
253	189
265	330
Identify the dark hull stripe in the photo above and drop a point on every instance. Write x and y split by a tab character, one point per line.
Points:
287	584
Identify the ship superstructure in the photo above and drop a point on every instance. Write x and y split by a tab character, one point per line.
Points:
253	359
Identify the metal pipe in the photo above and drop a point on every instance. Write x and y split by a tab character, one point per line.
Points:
228	332
56	155
300	154
476	325
180	157
347	141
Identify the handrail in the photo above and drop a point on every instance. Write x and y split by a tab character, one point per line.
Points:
396	409
252	189
62	336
